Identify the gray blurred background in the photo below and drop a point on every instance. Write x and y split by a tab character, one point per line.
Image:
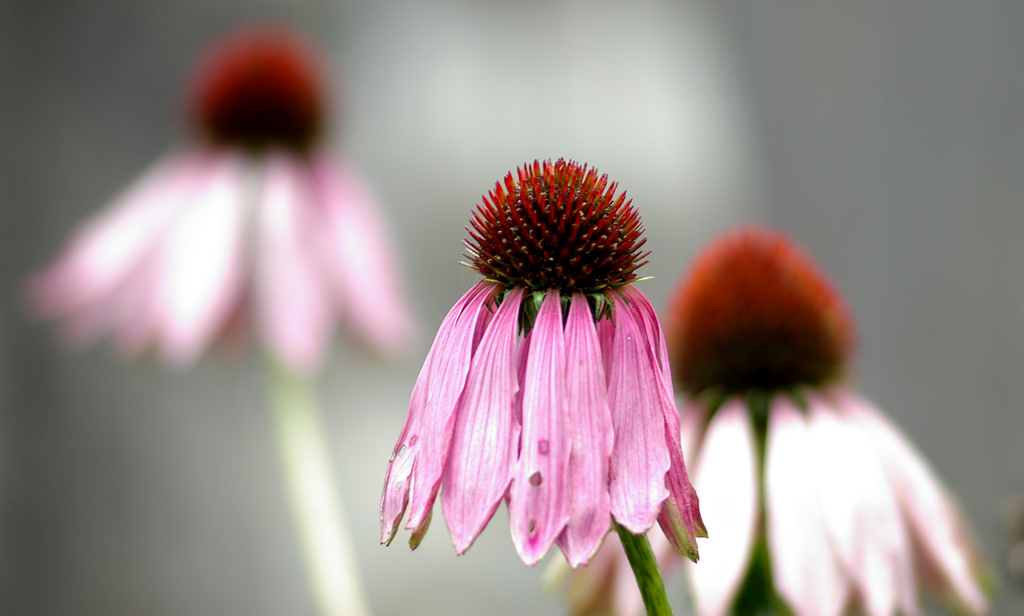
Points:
888	138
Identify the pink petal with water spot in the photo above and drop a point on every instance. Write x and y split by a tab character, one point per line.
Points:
360	257
485	440
293	308
861	513
419	455
200	273
592	438
726	478
934	518
805	571
538	499
640	456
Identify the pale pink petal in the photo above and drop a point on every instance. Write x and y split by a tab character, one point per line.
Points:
640	455
200	273
680	514
726	478
422	448
934	518
591	421
126	312
485	440
110	245
293	304
538	504
804	569
861	514
104	279
360	257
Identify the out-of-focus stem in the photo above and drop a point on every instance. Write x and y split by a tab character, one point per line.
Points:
314	496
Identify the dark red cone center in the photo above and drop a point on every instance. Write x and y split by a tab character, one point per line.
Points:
259	86
755	313
556	225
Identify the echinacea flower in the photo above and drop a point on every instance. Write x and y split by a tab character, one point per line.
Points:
253	220
548	383
818	502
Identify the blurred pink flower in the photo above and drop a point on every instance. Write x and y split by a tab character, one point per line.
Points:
547	384
255	220
815	499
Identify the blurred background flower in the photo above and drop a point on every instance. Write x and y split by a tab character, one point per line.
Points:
253	223
886	139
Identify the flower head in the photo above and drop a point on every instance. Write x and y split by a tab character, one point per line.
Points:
254	222
547	383
817	501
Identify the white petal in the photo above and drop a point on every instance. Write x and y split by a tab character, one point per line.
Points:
293	306
200	273
861	513
934	517
805	570
726	480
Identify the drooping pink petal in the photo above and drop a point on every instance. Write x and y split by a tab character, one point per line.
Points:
126	312
538	503
104	280
360	257
110	245
726	476
642	307
422	448
200	273
592	439
640	455
485	440
861	514
680	514
933	516
292	299
804	569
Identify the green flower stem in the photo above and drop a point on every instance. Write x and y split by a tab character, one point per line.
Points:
313	495
645	568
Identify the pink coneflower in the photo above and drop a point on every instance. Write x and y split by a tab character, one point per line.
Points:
817	501
253	220
548	383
